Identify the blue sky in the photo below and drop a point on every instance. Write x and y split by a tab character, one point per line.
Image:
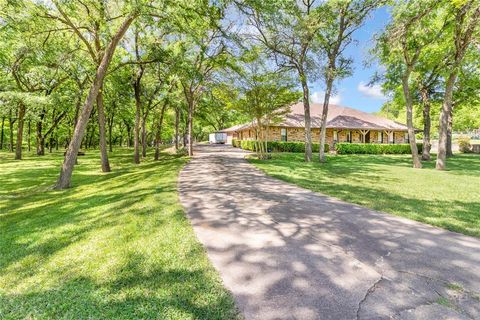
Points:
352	91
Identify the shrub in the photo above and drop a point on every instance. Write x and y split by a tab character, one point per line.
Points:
370	148
291	146
464	144
278	146
248	145
236	143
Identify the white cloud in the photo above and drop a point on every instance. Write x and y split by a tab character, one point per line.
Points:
318	96
374	91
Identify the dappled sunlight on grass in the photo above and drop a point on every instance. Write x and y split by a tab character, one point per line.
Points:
116	245
447	199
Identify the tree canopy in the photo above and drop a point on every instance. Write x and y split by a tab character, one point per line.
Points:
88	74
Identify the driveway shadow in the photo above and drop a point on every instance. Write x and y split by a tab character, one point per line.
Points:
289	253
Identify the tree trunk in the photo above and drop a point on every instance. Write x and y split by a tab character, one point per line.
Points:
409	111
308	129
177	120
323	122
190	127
21	120
443	122
92	135
449	134
65	177
185	139
2	133
144	134
136	129
158	135
50	144
102	136
110	139
427	124
110	129
29	135
129	135
261	149
39	135
11	121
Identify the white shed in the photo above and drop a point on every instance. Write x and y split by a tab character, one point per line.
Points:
217	137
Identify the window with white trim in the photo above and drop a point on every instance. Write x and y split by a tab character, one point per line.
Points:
283	134
335	136
380	137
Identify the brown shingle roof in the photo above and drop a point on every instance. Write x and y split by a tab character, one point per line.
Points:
237	127
339	117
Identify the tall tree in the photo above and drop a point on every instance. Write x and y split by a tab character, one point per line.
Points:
206	53
415	25
287	29
89	21
466	25
341	19
106	57
264	97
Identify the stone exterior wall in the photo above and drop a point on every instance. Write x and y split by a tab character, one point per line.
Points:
298	134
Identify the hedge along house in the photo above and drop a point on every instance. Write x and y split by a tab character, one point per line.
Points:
343	125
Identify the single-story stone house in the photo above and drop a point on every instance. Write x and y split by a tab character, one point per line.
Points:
343	125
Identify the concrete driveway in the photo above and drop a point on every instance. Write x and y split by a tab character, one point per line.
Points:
289	253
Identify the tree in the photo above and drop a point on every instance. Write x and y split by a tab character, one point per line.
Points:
217	108
341	19
91	29
466	95
287	29
465	26
207	53
19	101
428	80
264	97
415	25
106	57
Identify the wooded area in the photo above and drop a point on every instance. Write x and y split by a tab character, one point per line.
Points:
78	75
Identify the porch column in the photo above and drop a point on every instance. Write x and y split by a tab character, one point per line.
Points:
389	134
364	134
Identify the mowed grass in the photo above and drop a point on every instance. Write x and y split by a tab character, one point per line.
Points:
447	199
115	246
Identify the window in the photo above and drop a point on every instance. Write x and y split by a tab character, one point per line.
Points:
335	136
380	137
349	136
407	140
283	133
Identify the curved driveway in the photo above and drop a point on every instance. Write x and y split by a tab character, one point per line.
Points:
289	253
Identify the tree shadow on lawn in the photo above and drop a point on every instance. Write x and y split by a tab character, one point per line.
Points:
457	216
43	212
41	223
332	179
461	164
135	294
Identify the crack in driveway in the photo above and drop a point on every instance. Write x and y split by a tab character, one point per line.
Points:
369	291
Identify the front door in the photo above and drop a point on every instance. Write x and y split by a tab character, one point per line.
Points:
367	137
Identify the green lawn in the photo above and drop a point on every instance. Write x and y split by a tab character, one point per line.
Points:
448	199
115	246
